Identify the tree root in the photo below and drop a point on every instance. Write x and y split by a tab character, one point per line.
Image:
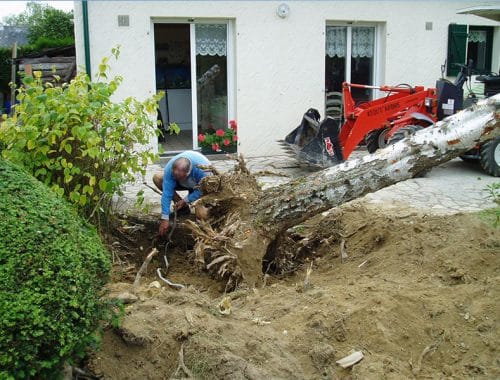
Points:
182	366
143	268
213	249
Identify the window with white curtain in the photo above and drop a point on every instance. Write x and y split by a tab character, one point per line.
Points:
350	58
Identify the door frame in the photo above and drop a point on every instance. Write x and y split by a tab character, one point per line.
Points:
377	48
230	59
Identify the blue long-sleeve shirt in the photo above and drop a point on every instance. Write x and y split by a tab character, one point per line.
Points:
193	179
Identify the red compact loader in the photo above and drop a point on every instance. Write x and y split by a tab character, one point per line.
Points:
403	111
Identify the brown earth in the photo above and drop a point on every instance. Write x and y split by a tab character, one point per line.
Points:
417	295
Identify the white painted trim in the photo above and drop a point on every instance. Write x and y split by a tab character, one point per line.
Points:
194	85
348	54
231	70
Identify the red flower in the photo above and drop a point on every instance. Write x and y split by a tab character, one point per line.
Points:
219	132
215	147
235	138
226	142
201	137
233	125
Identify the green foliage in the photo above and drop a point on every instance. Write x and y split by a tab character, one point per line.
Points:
46	43
77	141
43	21
494	192
173	128
220	139
52	268
493	215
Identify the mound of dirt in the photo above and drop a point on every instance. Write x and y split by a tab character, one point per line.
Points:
416	294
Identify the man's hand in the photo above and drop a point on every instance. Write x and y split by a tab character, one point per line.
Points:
182	203
164	224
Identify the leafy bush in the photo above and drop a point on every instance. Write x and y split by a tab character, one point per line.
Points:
76	140
52	267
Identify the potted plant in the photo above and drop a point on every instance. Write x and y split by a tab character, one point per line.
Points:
219	140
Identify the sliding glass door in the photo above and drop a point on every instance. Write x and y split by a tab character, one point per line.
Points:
211	87
191	64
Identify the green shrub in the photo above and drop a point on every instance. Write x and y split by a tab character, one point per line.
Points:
77	141
52	267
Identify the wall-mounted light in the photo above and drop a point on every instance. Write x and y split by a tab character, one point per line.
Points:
283	10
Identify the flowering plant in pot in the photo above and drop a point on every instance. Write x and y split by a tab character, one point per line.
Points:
219	140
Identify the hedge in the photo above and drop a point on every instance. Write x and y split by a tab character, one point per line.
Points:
52	268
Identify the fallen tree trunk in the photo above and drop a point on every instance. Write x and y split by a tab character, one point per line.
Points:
294	202
269	216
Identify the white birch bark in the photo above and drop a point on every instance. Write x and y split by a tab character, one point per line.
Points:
294	202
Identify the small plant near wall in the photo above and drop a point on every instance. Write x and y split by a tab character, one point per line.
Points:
219	140
79	142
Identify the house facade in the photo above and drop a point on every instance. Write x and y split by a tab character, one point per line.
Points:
264	63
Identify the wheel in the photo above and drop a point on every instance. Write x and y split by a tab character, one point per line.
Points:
490	157
376	139
404	132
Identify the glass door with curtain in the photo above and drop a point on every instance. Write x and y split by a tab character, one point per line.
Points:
210	89
349	57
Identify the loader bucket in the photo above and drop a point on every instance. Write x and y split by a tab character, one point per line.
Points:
316	143
307	129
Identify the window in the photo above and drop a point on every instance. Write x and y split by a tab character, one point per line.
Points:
479	47
469	42
350	58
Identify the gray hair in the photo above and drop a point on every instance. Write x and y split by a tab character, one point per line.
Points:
182	163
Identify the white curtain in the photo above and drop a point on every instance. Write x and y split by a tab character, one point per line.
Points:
211	39
477	36
362	41
336	41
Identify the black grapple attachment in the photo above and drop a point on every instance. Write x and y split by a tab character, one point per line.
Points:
316	142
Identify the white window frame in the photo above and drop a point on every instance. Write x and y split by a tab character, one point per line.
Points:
377	48
230	58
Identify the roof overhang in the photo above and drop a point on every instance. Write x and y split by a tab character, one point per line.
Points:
491	12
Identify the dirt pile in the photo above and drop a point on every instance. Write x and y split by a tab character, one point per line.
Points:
417	294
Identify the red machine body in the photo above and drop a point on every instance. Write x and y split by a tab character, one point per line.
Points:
402	106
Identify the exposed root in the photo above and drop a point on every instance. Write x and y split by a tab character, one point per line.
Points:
208	168
343	252
182	366
428	349
214	249
152	188
143	268
241	165
219	232
302	242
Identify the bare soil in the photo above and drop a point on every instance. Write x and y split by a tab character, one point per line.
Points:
417	295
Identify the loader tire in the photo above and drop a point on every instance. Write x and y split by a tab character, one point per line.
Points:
376	139
490	157
404	132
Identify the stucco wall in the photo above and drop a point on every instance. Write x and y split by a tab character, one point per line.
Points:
279	62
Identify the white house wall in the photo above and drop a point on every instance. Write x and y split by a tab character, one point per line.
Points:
279	63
